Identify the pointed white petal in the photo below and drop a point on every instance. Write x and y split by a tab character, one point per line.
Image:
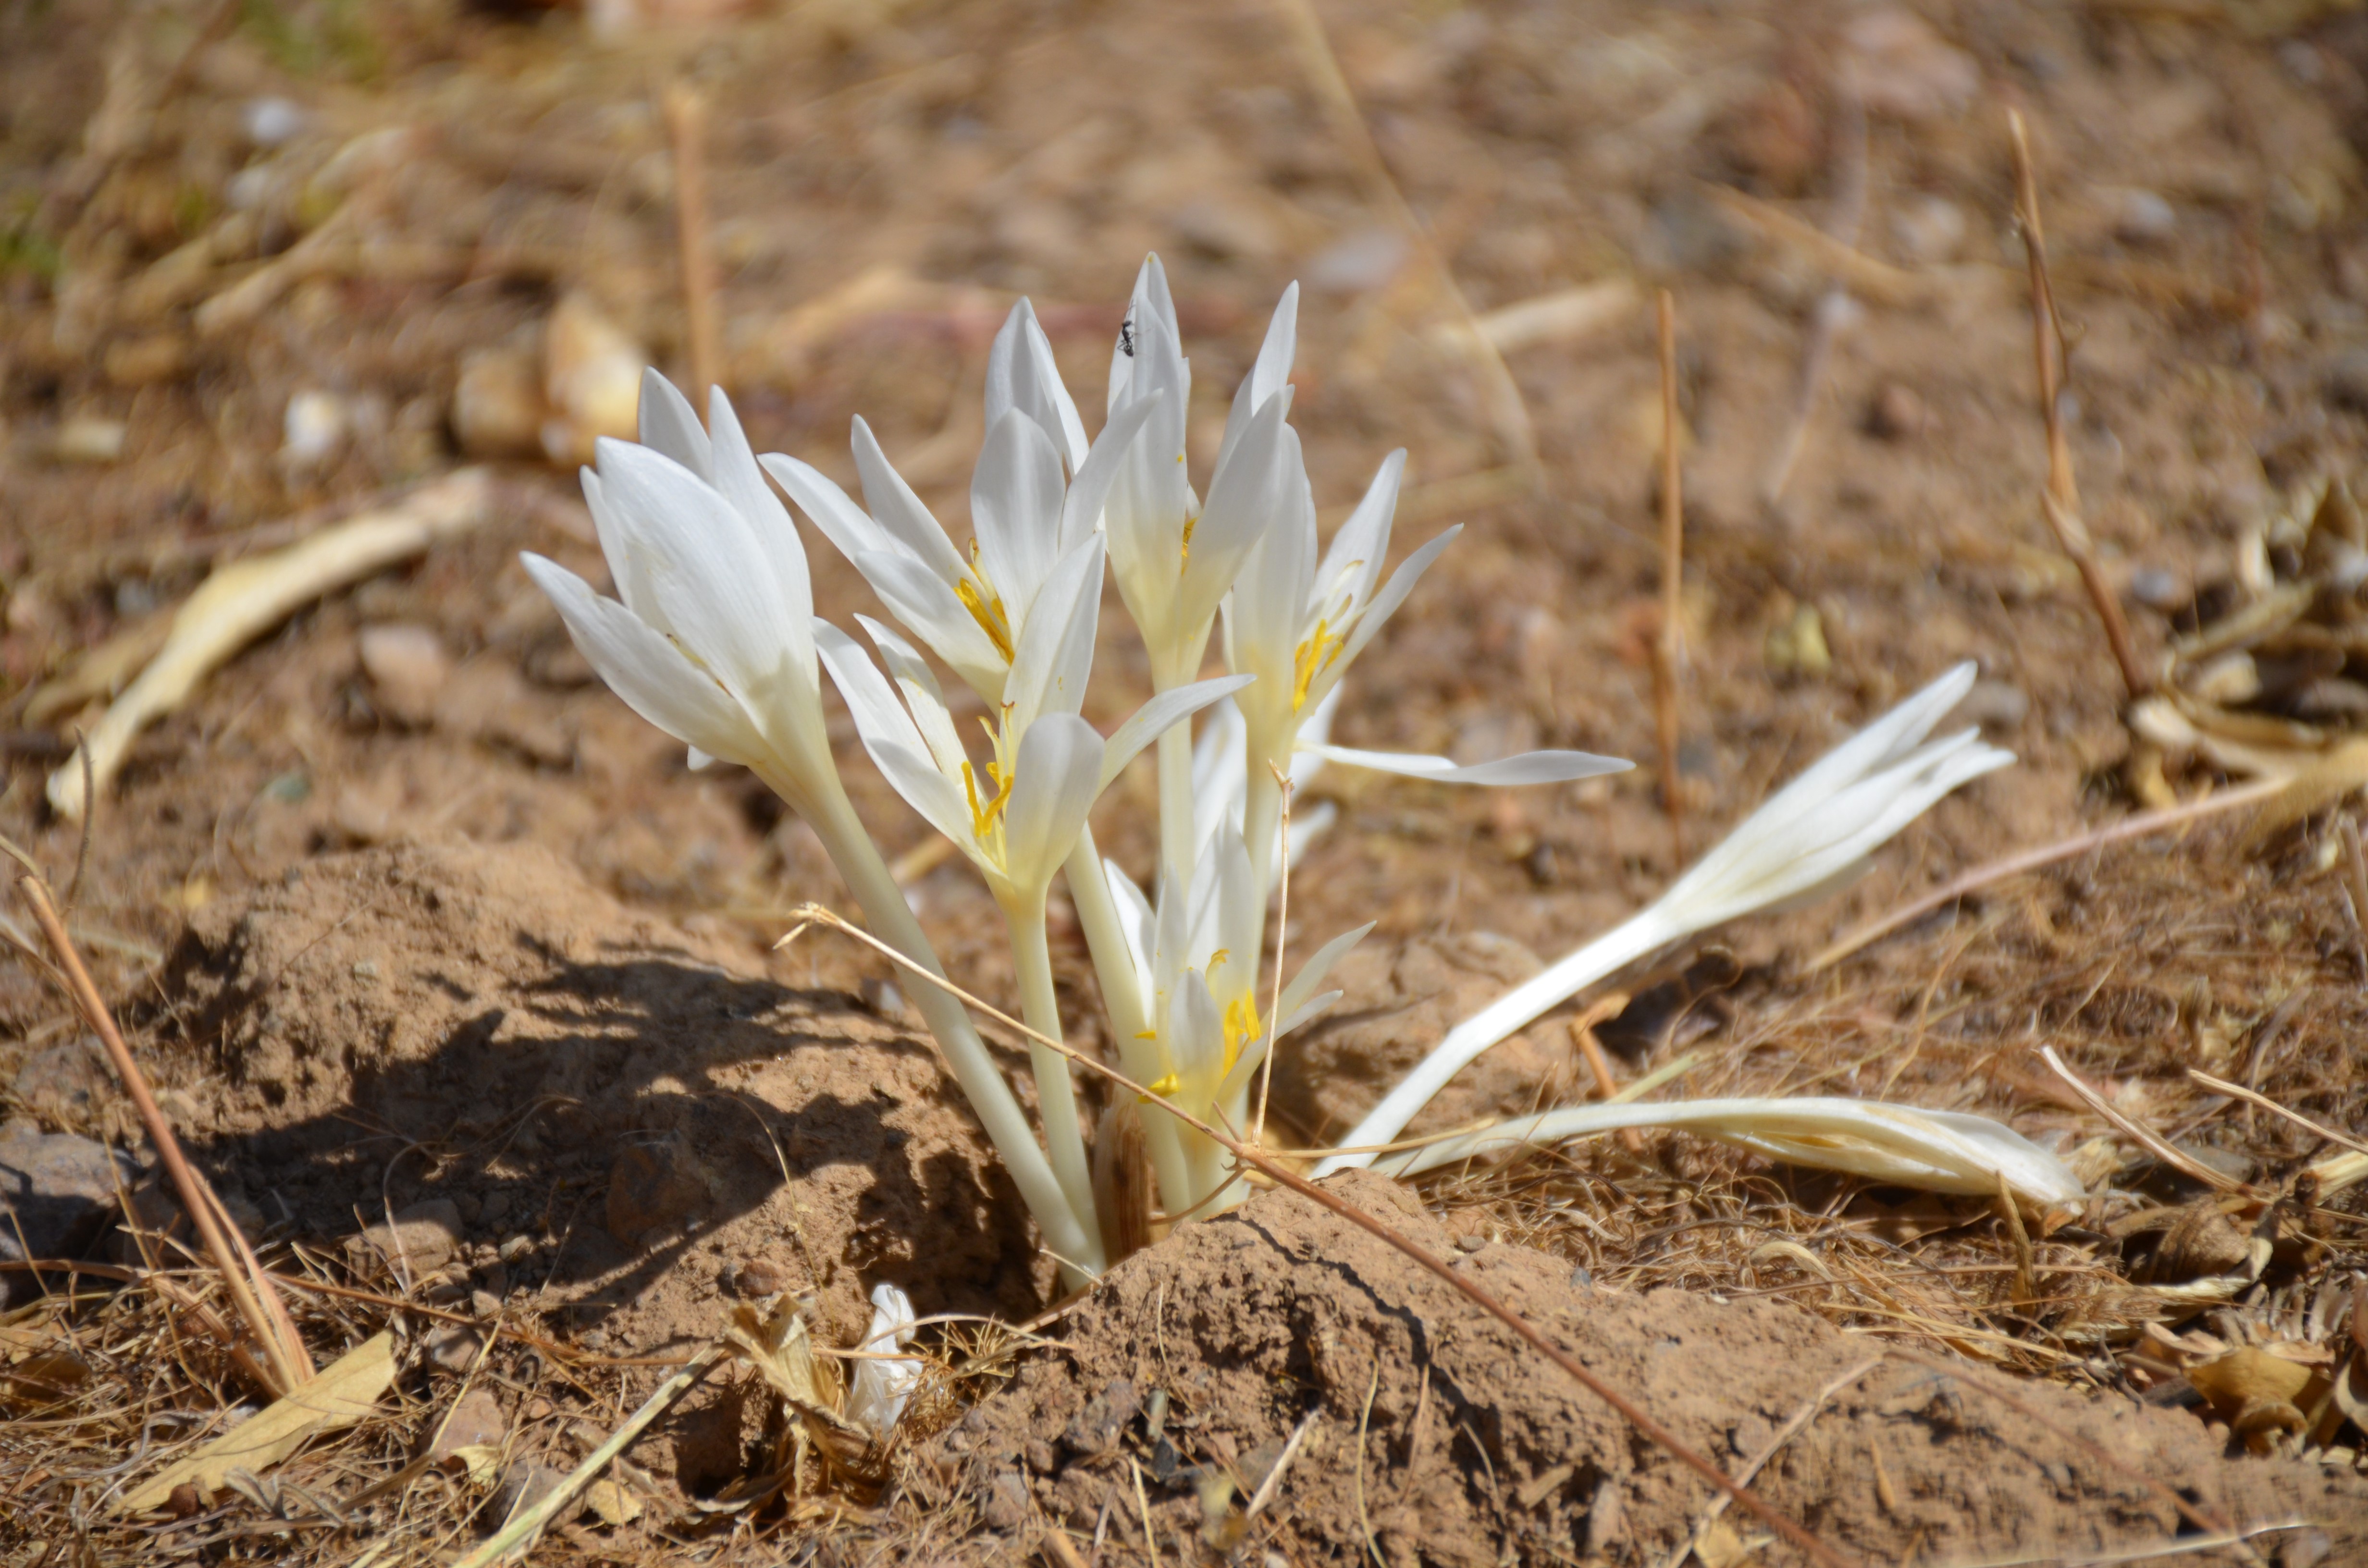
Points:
1268	375
1162	713
670	426
919	598
898	509
1394	593
648	672
922	697
735	474
1353	562
1015	509
1529	767
1055	655
1081	508
847	526
879	717
1055	783
627	567
1311	973
1263	489
1196	1031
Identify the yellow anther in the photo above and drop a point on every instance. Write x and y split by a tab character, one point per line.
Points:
1189	524
982	817
1314	657
988	613
1242	1026
1163	1086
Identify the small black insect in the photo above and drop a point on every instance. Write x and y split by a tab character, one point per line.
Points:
1126	335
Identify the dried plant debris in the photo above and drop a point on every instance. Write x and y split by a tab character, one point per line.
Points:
2266	674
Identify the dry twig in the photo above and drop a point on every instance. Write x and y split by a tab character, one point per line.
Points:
2061	499
1670	647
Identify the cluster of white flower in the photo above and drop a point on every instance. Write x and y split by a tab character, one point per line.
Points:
714	639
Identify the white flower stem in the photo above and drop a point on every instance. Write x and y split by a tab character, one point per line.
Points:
1616	949
1176	845
1261	828
1123	1000
867	877
1056	1096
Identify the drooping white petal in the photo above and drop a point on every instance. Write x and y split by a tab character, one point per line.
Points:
1164	711
1268	375
650	673
876	1396
1055	779
879	717
1015	509
1936	1149
670	426
1528	767
1056	647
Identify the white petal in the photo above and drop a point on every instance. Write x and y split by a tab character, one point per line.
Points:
646	671
879	717
735	474
1529	767
847	526
931	611
1055	655
1263	487
670	426
1195	1037
1150	307
1268	375
1081	508
1015	509
1054	782
1163	712
1311	973
1265	613
899	511
627	568
879	1390
1021	374
1353	562
1393	592
922	696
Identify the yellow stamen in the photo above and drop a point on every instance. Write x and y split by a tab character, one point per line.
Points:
983	818
1189	523
1314	656
988	613
1242	1026
1162	1087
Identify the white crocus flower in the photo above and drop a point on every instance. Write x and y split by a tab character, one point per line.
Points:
1174	558
711	641
1938	1151
877	1393
1036	495
1811	837
1197	955
1017	814
1298	624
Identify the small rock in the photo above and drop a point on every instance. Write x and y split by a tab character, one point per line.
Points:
56	1191
484	1303
592	379
87	438
1098	1427
1040	1456
408	669
1928	229
488	701
760	1277
654	1187
1470	1244
65	1083
2157	587
271	121
1896	414
452	1346
1994	705
314	427
1007	1502
497	405
516	1247
422	1240
477	1419
2141	217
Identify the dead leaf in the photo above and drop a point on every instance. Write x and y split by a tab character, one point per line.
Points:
1720	1547
483	1461
613	1503
341	1395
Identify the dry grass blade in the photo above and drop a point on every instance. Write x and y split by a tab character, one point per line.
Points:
1628	1409
272	1330
2033	859
2254	1096
1670	647
2185	1165
2061	500
342	1395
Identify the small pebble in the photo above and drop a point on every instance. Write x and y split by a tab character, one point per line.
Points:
2141	217
2156	588
314	427
271	121
1470	1244
516	1247
760	1277
408	667
1928	229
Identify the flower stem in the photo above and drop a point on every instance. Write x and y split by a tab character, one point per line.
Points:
1072	1237
1176	825
1128	1008
1056	1096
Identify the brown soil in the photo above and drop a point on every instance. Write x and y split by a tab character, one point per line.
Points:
484	940
1286	1313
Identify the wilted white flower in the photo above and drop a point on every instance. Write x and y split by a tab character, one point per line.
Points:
1939	1151
711	640
1812	837
876	1396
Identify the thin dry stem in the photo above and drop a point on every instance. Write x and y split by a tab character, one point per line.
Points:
1598	1065
1670	647
2061	500
685	115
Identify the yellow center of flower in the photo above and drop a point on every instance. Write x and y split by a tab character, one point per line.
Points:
1242	1026
985	608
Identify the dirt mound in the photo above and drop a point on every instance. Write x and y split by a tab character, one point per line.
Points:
1474	1450
625	1118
